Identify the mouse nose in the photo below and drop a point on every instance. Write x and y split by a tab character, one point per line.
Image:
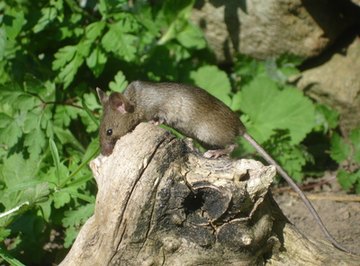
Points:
107	149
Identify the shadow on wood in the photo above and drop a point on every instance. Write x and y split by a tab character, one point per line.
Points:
161	203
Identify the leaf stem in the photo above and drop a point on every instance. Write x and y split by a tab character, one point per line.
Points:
4	214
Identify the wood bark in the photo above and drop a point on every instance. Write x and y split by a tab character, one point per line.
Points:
160	202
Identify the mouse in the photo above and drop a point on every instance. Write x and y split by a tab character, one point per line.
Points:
192	111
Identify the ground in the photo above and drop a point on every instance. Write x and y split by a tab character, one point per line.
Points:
339	211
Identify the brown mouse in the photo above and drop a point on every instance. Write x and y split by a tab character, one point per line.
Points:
190	110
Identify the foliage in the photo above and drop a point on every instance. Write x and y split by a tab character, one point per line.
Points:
347	154
53	54
281	116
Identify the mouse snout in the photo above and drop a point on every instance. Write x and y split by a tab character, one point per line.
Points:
107	149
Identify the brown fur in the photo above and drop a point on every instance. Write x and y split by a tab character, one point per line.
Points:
188	109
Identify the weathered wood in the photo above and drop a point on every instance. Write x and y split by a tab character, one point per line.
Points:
161	203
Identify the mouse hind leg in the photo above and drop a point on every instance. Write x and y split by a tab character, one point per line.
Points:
220	152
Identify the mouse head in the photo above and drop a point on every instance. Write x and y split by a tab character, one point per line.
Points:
118	119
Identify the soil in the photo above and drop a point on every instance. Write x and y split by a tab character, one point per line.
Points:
339	211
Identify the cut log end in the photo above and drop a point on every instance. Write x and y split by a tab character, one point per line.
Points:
161	203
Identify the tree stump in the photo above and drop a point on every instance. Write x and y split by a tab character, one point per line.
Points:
159	202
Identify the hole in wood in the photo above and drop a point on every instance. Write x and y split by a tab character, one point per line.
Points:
193	202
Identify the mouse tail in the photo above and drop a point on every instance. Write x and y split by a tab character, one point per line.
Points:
295	187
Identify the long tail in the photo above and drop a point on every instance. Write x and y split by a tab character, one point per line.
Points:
293	185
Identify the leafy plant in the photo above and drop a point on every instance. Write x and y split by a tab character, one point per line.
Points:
347	154
275	113
53	54
43	165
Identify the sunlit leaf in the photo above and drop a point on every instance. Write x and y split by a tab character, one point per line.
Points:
340	150
48	14
270	108
214	80
355	139
120	82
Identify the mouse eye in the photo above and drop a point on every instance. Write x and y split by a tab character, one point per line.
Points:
109	132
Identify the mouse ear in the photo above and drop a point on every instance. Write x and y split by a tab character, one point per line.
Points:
119	103
103	98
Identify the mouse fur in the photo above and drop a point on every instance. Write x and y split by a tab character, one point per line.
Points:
189	109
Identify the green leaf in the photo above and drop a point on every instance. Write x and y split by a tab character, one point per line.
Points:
56	159
68	73
5	120
289	60
64	114
283	67
91	151
94	30
48	15
9	136
19	176
4	233
355	139
35	141
120	43
46	209
9	259
68	59
90	100
61	198
13	20
37	193
79	216
3	43
340	150
248	69
51	176
63	56
70	235
66	137
326	118
26	184
84	48
214	80
192	37
357	186
18	99
176	14
89	122
120	82
39	89
58	4
31	122
348	180
235	101
270	108
108	6
96	61
179	52
293	160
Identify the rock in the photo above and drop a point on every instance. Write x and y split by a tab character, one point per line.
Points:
356	2
264	29
336	83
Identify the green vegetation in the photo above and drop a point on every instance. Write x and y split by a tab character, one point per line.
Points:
347	154
52	56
